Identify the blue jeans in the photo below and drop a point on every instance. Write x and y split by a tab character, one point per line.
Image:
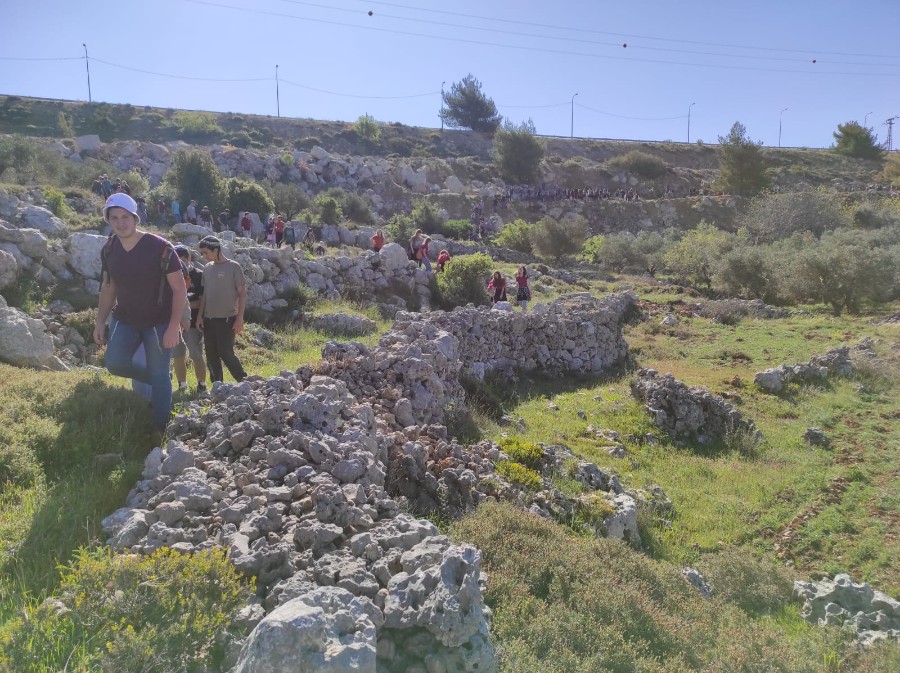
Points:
426	262
124	340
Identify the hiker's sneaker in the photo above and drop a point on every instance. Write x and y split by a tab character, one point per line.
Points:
201	388
182	385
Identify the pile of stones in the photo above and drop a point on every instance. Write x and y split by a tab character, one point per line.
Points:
836	362
305	479
687	413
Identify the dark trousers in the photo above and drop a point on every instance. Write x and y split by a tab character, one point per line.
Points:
218	335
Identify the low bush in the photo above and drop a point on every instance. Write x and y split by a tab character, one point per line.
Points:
524	453
464	281
458	229
56	201
639	163
517	236
519	474
125	613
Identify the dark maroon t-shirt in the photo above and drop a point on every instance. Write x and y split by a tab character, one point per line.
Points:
137	274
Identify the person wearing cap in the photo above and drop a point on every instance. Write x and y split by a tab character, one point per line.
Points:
192	338
221	313
142	288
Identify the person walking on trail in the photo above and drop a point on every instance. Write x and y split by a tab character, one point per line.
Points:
206	218
192	338
497	287
176	210
246	225
279	230
222	221
442	259
290	235
221	312
523	292
415	242
377	240
191	212
422	254
142	287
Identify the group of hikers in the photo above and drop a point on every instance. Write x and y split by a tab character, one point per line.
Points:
157	305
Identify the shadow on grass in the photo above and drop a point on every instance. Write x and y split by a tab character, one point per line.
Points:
497	394
88	468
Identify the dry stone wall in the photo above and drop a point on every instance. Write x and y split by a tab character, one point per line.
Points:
304	478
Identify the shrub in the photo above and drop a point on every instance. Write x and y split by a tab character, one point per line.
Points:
518	152
353	206
130	613
400	228
776	216
287	198
197	125
554	238
242	195
516	235
194	175
695	257
639	163
464	281
426	217
590	251
328	209
56	200
524	453
367	128
458	229
519	474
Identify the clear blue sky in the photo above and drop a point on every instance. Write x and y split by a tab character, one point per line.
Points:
736	61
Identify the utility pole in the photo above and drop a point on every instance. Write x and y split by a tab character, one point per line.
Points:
277	93
890	125
87	65
442	105
572	129
779	125
689	122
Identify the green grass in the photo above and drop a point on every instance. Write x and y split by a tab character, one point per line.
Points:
551	611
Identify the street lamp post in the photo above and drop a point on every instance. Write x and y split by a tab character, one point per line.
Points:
689	122
442	104
87	65
277	93
572	129
779	125
866	119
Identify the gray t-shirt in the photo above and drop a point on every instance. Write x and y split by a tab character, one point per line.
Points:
220	285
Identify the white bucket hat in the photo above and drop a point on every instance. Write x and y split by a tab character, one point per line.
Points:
121	200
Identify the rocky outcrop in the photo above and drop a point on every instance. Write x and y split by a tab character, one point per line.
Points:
23	340
871	615
687	413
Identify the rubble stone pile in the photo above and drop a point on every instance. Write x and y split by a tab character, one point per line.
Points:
688	413
835	362
304	478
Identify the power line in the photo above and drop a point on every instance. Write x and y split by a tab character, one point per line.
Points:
588	41
719	66
51	58
642	119
171	76
350	95
626	35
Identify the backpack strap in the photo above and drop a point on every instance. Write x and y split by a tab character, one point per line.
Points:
104	259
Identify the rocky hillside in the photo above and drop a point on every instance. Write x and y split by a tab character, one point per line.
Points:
453	169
